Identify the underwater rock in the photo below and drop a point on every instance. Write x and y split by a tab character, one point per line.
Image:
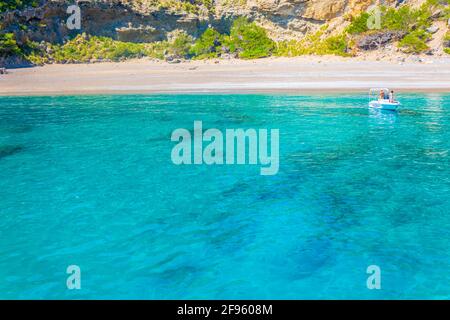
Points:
306	258
20	129
8	150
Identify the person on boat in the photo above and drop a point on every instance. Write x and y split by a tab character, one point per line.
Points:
391	96
382	94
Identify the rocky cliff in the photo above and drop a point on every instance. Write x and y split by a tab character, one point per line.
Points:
150	20
144	21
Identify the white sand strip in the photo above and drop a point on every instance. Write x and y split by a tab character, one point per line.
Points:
294	75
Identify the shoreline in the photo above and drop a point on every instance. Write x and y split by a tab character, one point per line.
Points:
299	75
292	92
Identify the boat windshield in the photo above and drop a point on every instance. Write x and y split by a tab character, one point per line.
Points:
380	93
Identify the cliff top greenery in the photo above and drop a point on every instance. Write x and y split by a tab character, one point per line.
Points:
6	5
188	6
176	6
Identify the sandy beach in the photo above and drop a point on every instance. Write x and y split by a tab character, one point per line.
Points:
290	75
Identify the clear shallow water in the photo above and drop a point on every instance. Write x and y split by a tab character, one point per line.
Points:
89	181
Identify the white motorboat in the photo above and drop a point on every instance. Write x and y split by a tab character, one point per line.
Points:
383	102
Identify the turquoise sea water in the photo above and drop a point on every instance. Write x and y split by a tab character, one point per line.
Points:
89	181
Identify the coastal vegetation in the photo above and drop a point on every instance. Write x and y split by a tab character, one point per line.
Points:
6	5
415	41
358	24
84	48
246	41
8	45
447	43
188	6
208	45
412	23
315	44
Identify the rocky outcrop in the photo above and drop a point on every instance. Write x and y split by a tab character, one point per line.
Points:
324	9
104	18
446	43
376	40
277	7
142	32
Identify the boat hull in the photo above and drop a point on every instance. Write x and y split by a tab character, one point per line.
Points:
384	105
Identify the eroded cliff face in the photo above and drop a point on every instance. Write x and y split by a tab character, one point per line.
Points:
103	18
151	20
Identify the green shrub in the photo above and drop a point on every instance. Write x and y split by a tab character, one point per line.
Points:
189	6
415	41
406	18
249	40
208	45
314	44
8	45
180	45
83	49
6	5
403	18
397	19
358	24
446	11
336	45
156	49
37	55
447	41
